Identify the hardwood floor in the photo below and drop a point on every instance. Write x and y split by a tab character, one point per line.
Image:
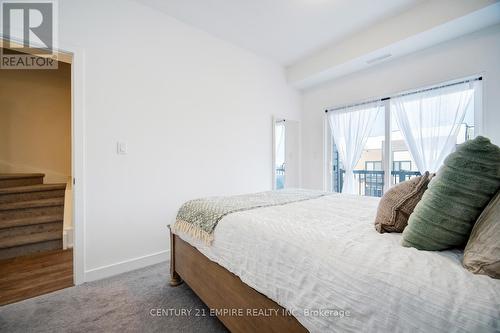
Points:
33	275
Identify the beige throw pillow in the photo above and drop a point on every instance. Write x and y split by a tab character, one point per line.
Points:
398	203
482	253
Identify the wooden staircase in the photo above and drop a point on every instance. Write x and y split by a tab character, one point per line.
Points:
31	215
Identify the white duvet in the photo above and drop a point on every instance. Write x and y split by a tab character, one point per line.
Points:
323	260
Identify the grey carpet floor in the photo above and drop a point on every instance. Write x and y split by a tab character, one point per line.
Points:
122	303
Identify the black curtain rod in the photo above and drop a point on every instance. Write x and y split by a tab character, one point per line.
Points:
404	94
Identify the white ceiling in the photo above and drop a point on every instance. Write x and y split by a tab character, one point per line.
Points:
283	30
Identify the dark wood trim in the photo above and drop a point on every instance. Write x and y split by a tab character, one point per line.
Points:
238	306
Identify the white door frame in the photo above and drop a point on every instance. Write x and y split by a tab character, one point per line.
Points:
77	152
77	158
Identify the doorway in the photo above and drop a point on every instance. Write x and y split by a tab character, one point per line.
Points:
36	190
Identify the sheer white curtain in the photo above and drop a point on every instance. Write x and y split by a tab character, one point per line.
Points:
351	128
430	122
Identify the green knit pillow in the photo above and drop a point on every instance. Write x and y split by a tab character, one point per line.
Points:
455	198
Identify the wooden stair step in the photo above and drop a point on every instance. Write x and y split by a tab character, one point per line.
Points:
31	215
32	188
24	221
32	234
32	204
20	179
26	250
32	192
4	176
33	208
31	212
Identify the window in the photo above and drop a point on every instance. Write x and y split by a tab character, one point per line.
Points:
279	166
398	165
373	165
418	129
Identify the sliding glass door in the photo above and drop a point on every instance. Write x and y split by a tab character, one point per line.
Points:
418	129
358	143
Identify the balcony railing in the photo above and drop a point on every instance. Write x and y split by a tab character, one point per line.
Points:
280	170
280	176
371	182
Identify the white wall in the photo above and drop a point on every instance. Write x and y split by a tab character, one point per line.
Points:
477	53
292	154
196	113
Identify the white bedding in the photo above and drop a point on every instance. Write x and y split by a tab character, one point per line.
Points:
324	254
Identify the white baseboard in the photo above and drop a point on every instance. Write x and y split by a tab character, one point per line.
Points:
126	266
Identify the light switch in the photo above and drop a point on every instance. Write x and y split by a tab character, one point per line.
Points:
121	148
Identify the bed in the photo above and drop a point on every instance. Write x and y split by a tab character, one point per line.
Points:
318	265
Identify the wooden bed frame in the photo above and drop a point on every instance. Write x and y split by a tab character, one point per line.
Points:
239	307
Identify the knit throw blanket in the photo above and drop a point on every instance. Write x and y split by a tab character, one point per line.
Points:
198	218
